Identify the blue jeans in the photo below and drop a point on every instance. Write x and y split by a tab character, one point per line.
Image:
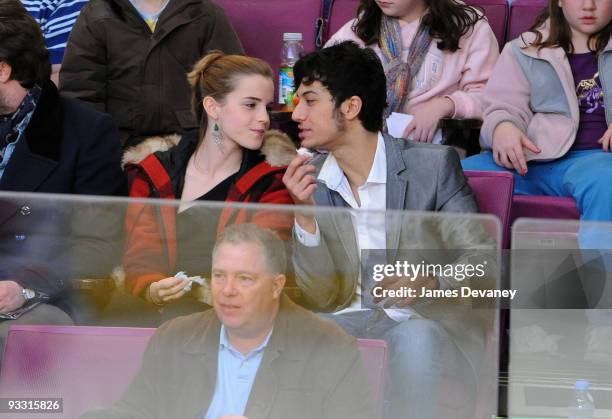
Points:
585	175
429	378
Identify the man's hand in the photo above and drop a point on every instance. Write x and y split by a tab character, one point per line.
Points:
300	180
11	297
301	183
425	122
166	289
396	283
606	140
508	145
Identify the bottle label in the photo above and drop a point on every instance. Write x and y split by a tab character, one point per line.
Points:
285	86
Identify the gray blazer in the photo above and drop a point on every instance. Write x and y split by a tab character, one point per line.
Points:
420	177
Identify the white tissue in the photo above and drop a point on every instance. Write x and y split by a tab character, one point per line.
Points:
197	279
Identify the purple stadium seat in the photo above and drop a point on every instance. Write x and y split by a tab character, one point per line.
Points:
260	24
342	12
494	191
497	13
91	367
522	16
374	354
554	207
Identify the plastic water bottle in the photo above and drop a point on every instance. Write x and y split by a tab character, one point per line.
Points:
582	405
291	52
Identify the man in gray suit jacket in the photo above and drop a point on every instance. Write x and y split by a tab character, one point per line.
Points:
434	345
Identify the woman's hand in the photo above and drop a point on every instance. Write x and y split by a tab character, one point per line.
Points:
426	119
508	144
166	290
606	140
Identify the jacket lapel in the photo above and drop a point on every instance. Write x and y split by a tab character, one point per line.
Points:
340	221
342	224
281	345
202	378
397	187
26	171
265	386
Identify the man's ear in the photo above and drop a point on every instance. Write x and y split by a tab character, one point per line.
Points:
5	72
278	285
211	107
351	107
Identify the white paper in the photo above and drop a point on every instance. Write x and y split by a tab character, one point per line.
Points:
303	151
197	279
397	123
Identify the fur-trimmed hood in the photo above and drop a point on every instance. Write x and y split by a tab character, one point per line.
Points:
277	148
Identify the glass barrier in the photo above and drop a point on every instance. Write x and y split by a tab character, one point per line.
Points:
561	326
245	294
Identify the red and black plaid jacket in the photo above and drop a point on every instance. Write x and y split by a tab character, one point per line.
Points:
151	250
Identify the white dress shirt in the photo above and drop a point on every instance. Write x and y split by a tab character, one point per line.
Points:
368	219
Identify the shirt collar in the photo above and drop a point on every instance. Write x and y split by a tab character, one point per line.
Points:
225	343
332	175
378	173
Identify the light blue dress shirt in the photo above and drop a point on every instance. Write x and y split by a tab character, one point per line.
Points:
235	376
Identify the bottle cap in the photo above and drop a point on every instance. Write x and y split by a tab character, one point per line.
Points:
291	36
582	385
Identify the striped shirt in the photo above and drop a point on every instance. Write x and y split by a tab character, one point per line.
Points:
56	18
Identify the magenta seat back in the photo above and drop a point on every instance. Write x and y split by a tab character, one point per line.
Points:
497	12
374	355
260	25
552	207
494	191
90	367
342	12
522	15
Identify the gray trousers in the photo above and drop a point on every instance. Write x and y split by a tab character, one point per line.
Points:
41	314
428	376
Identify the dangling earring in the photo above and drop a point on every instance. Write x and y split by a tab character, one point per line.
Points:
217	135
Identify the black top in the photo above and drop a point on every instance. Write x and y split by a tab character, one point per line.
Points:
196	231
196	227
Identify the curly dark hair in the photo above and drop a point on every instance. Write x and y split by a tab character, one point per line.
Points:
561	34
447	21
347	70
22	45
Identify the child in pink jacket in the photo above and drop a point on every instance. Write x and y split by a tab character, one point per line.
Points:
437	55
548	109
